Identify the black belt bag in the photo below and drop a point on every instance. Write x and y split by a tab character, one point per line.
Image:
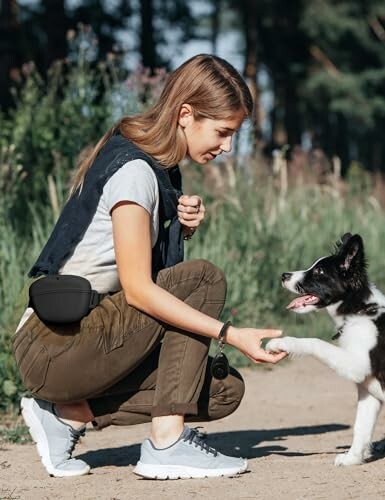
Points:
63	298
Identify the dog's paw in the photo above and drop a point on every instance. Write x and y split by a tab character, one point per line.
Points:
348	459
368	452
285	344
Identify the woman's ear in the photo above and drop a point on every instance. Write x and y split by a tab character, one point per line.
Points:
185	115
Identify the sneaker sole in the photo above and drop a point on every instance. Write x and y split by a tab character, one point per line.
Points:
152	471
38	435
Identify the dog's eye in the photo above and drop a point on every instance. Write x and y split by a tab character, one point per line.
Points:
318	271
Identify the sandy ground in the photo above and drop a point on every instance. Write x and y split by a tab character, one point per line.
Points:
293	420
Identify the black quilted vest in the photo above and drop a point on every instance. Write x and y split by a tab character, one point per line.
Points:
79	210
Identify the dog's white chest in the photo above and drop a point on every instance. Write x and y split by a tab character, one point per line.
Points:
358	334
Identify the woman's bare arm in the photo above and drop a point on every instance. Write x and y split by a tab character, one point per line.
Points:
132	242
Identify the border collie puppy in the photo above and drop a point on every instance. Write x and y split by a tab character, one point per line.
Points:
339	283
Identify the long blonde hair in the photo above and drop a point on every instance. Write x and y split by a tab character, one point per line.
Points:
209	84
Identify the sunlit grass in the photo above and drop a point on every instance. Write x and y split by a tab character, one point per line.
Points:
252	231
255	235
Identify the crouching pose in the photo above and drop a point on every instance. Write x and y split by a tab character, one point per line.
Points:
340	284
141	355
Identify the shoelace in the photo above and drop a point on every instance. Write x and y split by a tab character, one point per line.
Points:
75	436
197	437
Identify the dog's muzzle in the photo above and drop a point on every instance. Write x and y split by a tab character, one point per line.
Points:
286	277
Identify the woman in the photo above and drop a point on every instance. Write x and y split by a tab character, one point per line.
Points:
141	355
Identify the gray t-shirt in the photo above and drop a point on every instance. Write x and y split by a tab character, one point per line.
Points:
94	256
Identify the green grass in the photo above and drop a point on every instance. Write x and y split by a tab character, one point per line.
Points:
252	232
255	235
16	435
13	430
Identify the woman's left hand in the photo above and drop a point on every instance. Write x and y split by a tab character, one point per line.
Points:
191	211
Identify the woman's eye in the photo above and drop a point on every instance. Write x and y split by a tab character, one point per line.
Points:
222	134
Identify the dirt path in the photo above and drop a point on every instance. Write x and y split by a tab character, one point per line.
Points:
293	420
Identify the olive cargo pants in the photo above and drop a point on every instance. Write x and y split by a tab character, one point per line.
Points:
129	366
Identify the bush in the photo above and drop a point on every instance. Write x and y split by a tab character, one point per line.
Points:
39	145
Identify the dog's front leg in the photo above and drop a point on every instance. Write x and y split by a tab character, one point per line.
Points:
368	408
352	367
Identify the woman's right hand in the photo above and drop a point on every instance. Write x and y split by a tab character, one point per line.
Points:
248	341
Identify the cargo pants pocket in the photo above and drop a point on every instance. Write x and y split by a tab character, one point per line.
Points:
36	372
32	359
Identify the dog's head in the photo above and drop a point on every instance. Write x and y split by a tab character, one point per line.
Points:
330	279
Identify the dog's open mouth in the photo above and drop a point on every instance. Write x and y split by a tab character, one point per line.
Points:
303	301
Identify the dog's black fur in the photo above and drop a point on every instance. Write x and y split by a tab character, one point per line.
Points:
339	283
339	277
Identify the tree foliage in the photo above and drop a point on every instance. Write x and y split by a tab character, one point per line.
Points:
324	59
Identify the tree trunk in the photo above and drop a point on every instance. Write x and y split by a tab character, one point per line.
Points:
147	41
215	24
249	19
292	115
55	25
10	54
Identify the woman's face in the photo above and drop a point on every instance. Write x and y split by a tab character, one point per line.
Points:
208	138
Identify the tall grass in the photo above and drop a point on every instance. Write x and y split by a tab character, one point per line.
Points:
251	231
255	228
17	252
255	234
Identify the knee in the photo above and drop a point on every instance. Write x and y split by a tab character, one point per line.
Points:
196	271
229	397
211	273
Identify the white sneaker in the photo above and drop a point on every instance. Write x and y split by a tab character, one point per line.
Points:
55	440
188	457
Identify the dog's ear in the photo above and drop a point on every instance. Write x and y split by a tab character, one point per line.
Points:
344	239
351	251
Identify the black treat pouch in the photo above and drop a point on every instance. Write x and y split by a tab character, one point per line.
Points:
220	366
62	298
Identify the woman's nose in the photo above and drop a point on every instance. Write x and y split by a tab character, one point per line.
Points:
226	145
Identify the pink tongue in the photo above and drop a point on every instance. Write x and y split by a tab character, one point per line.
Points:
302	301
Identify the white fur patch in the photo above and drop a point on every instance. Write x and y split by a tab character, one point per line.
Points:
296	277
350	359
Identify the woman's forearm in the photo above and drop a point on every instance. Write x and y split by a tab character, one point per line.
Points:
162	305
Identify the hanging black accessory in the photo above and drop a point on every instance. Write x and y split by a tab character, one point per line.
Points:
63	298
220	367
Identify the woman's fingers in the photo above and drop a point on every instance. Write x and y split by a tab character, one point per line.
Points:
248	341
191	211
190	201
267	357
272	333
190	217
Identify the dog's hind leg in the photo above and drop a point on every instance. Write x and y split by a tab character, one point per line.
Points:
368	408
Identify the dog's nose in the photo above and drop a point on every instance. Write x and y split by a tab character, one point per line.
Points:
286	277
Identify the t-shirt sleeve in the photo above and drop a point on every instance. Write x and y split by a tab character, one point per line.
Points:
135	181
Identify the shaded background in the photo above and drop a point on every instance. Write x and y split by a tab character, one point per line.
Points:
316	68
308	167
